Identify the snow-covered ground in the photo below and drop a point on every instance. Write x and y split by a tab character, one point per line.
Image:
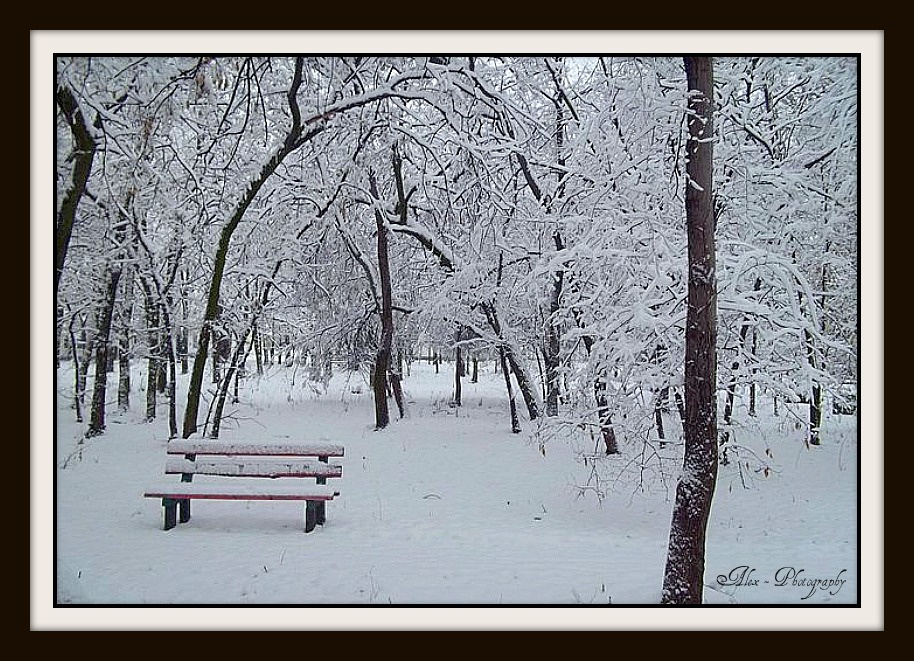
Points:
445	507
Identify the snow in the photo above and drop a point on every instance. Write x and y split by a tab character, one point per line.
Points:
265	447
445	507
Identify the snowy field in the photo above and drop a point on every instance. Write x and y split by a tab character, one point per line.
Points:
445	507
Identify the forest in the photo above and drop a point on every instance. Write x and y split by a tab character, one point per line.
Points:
645	256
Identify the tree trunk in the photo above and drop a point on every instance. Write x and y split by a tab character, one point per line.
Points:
397	387
292	142
385	345
515	422
553	340
123	388
475	377
603	415
230	372
685	565
102	346
83	157
658	417
458	400
79	375
182	339
523	381
82	371
258	351
172	372
152	348
752	387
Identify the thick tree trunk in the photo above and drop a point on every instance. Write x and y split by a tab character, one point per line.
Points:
385	345
685	565
102	346
83	157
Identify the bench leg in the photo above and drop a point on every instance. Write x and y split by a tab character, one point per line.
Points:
171	506
310	515
322	506
184	510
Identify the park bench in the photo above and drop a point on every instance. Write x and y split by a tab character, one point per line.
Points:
249	460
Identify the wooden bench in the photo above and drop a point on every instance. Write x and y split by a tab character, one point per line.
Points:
250	460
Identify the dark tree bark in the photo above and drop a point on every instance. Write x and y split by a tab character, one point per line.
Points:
84	156
385	345
123	354
397	387
815	402
752	387
172	373
607	432
552	347
258	350
685	565
458	391
79	373
512	407
152	347
181	339
680	406
102	347
82	371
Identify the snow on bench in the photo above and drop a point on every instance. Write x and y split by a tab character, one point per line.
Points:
232	448
249	460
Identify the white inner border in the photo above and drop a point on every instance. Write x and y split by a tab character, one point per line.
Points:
43	45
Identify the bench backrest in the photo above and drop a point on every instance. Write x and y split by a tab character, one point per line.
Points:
243	459
272	449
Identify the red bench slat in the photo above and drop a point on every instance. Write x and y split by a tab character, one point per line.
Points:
251	467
